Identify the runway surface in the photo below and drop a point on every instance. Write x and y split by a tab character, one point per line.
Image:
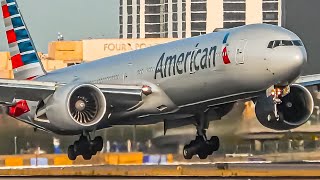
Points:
211	171
99	178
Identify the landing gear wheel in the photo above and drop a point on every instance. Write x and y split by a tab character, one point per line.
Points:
203	153
214	143
87	155
85	147
98	143
186	152
71	153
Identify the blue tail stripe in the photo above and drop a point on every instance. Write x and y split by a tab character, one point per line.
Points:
10	1
13	10
17	22
226	38
21	34
29	58
22	50
25	46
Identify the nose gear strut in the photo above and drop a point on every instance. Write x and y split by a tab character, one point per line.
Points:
277	94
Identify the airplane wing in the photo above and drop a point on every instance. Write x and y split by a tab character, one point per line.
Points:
309	80
24	89
36	91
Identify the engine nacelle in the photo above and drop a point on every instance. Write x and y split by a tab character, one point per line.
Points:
76	107
294	111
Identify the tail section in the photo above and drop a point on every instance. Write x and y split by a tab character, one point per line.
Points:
25	61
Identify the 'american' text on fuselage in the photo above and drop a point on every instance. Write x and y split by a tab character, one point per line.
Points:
178	64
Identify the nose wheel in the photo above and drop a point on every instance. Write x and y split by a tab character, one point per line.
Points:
201	146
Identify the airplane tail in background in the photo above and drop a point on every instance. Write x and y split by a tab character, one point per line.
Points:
26	63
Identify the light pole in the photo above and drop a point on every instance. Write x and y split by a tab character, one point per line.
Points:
15	145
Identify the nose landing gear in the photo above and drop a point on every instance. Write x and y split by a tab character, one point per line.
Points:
85	147
201	146
277	94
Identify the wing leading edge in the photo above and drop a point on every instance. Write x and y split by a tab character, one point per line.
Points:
36	91
309	80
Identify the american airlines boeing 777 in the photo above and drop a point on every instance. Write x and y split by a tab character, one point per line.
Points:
189	81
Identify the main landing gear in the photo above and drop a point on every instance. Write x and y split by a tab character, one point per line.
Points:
201	146
85	147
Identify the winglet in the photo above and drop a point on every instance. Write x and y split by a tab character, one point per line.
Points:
25	61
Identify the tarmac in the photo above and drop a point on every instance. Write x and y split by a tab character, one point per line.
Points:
243	170
95	178
165	178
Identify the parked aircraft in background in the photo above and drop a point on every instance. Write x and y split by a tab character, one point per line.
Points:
189	81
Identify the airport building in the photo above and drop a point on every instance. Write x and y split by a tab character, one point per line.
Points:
187	18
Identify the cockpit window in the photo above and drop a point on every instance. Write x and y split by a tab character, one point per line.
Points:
286	43
297	43
270	45
276	43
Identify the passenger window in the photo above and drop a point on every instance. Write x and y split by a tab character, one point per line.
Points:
270	45
297	43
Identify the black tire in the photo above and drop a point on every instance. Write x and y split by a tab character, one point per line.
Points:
193	142
203	150
71	153
214	144
87	156
76	145
98	143
186	152
203	154
94	152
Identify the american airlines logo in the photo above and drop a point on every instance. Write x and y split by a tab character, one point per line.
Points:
225	56
190	61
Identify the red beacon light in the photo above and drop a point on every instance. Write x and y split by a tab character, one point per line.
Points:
146	90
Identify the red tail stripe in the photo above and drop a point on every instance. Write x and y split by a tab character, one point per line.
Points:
11	35
17	61
225	56
5	11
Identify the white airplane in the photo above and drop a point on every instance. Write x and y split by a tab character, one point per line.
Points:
189	81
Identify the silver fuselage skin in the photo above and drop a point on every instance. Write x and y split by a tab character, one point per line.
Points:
198	78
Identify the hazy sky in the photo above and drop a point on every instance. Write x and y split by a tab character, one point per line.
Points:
75	19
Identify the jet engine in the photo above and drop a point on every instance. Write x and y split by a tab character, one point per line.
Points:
75	107
293	111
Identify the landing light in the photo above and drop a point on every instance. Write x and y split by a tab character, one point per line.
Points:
146	90
276	91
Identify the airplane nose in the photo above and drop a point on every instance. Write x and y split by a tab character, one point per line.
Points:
288	63
299	58
295	61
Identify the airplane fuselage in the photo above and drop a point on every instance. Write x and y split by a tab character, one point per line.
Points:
208	70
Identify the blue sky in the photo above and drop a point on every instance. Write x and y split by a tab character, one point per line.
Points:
75	19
